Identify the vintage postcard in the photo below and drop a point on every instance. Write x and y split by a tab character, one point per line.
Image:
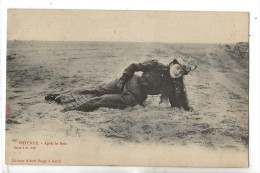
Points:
127	88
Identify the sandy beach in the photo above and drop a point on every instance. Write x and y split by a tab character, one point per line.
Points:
217	90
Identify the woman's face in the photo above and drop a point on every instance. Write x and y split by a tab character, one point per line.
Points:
176	71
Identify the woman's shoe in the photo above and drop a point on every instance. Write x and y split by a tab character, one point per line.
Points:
51	97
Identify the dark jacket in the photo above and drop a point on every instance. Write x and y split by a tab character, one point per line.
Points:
160	82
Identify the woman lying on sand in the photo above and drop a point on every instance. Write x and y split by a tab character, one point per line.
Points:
131	89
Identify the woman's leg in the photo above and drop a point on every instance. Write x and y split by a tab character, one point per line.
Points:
116	101
109	88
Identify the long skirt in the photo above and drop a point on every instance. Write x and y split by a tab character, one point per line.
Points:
105	95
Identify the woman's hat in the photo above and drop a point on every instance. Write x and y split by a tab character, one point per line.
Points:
187	63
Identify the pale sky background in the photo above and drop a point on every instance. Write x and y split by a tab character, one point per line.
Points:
127	26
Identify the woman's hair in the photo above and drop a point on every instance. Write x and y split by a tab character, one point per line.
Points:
173	62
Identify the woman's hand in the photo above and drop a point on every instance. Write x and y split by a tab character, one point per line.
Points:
188	108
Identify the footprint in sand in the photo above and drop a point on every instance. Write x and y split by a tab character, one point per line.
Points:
147	129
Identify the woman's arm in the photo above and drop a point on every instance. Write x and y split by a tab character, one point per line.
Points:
135	67
178	95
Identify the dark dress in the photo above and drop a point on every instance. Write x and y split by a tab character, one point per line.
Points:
129	89
160	82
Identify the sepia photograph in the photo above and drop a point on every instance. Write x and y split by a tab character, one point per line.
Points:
127	88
